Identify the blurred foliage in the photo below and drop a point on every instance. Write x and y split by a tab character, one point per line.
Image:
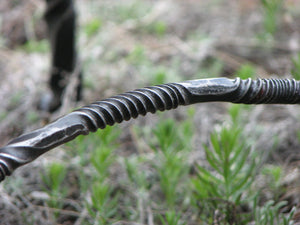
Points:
158	172
246	71
41	46
296	67
92	27
271	13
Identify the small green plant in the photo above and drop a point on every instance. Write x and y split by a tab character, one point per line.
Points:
160	77
172	137
137	56
15	99
229	177
296	67
132	11
41	46
97	149
269	214
273	175
32	116
104	204
139	185
152	74
172	172
239	114
84	146
171	218
224	187
136	176
53	179
246	71
271	9
158	28
173	143
92	27
3	115
211	67
101	159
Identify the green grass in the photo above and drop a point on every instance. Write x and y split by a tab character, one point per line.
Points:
224	184
160	178
296	67
104	205
122	11
171	151
53	179
246	71
211	67
92	27
32	46
156	28
268	214
171	218
271	13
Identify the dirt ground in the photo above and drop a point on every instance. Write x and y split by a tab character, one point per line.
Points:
198	33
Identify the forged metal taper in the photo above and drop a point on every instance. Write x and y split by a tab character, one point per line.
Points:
28	147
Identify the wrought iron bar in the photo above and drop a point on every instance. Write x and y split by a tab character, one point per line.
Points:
26	148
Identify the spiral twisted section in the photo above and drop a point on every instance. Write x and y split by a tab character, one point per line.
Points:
28	147
98	115
131	104
268	91
4	169
8	162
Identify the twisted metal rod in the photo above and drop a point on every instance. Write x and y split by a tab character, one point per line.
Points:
26	148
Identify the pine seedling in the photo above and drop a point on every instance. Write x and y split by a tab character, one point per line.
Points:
136	176
53	178
55	175
103	206
171	218
139	187
231	172
172	146
269	213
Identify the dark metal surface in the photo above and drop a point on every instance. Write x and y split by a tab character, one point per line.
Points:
28	147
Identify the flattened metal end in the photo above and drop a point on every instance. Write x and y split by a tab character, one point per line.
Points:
214	89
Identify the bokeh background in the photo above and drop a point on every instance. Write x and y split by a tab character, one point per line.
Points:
128	44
